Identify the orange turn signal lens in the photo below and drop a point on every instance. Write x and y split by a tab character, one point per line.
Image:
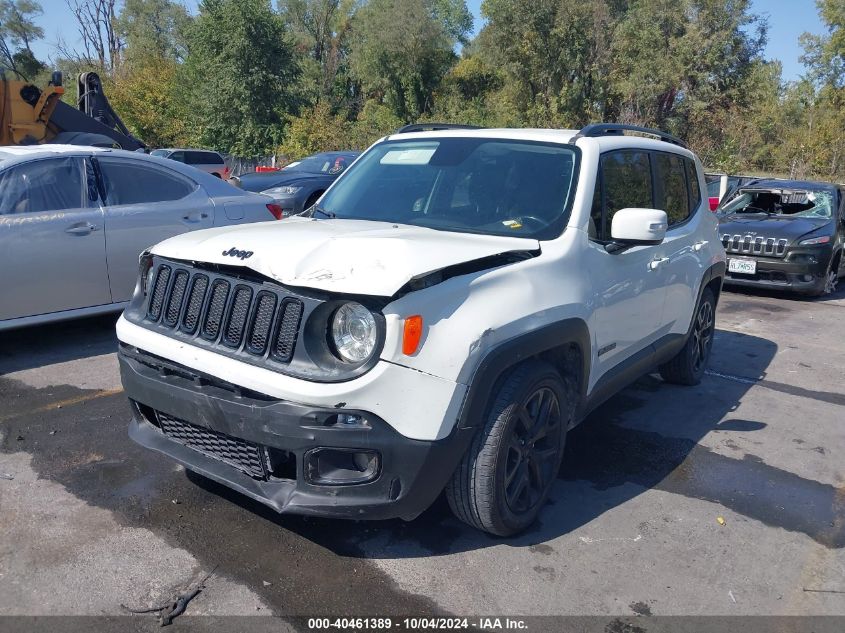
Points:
412	334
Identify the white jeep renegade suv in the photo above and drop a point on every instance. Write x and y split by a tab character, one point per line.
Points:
458	300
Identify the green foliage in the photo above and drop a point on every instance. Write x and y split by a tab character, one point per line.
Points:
403	48
237	76
153	29
316	75
18	31
317	130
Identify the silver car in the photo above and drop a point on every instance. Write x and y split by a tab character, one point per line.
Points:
202	159
73	221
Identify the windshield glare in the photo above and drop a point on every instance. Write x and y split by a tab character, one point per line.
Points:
793	204
159	152
474	185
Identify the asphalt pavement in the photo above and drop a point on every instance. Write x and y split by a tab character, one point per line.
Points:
723	499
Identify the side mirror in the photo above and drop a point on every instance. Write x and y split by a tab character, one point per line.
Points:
637	227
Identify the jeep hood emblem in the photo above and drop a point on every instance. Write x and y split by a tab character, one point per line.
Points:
234	252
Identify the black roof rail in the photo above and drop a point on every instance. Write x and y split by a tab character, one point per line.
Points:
617	129
432	127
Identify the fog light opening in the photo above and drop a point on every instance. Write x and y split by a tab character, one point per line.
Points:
338	467
807	278
347	421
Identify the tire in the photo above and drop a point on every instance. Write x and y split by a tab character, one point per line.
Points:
831	278
511	446
688	366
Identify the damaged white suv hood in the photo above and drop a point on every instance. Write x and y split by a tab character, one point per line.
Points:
344	256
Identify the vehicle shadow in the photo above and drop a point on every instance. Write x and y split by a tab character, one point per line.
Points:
774	293
646	437
32	347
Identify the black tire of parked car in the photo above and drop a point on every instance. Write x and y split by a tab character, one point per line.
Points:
503	480
831	277
688	365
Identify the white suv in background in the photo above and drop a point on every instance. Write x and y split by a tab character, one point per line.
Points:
454	304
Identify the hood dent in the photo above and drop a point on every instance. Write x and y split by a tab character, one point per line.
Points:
349	257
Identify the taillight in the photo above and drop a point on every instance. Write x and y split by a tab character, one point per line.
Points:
714	203
276	210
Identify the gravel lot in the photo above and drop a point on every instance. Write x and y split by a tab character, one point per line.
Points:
90	520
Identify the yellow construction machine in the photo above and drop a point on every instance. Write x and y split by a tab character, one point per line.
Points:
30	115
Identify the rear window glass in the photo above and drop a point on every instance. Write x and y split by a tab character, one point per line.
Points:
131	182
203	158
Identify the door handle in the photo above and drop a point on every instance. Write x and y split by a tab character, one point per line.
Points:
195	216
699	245
657	262
83	228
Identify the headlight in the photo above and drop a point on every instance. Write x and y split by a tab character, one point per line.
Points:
145	271
281	191
353	332
824	239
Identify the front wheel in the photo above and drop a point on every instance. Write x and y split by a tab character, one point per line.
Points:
687	367
504	479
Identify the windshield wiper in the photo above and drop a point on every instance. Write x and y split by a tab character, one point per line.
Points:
323	212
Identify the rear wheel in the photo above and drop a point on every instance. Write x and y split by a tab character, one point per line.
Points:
504	479
687	367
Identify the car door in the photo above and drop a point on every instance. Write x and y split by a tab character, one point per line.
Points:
629	284
52	245
145	204
678	192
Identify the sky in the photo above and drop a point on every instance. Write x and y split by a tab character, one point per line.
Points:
787	20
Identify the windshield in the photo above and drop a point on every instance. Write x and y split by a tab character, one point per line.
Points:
322	164
782	202
472	185
159	152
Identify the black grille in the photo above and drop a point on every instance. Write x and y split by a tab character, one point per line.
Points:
261	324
192	313
159	290
216	307
174	300
245	456
288	329
247	318
237	316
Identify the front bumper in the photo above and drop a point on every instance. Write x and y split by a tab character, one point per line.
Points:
410	474
801	270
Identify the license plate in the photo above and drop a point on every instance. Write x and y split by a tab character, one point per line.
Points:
742	266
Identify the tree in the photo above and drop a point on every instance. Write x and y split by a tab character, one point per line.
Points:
153	29
18	31
322	29
97	24
403	48
238	76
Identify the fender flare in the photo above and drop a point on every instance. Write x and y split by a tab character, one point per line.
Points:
515	350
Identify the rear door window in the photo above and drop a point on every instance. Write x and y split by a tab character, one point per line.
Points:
132	182
55	184
673	195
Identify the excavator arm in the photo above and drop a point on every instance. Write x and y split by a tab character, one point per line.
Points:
32	116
